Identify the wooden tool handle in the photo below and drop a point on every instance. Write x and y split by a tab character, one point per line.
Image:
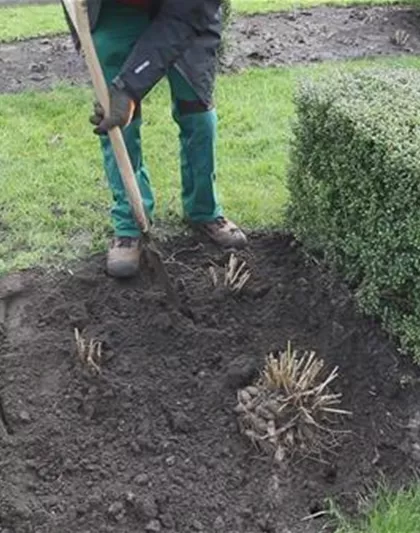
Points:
81	20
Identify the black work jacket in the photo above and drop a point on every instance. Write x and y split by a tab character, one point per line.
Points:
183	33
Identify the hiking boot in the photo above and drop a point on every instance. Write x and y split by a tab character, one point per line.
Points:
222	232
123	257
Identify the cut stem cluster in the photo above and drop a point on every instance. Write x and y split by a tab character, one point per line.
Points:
236	275
291	407
89	352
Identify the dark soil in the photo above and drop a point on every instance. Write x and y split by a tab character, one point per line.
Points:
265	40
322	34
152	444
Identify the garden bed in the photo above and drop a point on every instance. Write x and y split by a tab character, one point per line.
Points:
152	441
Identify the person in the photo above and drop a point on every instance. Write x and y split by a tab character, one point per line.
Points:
138	42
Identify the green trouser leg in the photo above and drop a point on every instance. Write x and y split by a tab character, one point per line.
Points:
197	151
117	31
121	213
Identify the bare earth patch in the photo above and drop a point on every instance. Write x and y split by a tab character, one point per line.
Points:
264	40
147	439
323	34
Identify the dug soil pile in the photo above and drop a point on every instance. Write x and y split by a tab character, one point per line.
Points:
151	443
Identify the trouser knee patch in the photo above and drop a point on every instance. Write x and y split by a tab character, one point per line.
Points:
191	107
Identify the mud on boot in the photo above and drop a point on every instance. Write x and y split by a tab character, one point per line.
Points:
222	232
123	258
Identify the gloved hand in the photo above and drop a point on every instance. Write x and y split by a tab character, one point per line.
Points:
122	108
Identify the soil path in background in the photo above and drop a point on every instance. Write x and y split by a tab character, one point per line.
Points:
307	36
152	444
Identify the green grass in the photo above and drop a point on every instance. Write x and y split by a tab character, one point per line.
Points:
54	200
392	513
31	21
51	164
22	22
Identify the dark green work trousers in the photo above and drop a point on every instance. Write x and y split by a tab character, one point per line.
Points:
118	29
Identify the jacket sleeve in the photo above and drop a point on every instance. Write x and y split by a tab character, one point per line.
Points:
171	33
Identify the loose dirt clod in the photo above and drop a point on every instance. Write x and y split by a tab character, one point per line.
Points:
89	352
291	407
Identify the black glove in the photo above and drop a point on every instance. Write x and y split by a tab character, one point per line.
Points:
122	109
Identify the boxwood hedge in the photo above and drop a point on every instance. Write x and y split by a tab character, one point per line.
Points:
355	188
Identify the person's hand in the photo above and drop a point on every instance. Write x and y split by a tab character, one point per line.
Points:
122	108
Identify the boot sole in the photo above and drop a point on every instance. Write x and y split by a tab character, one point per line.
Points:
122	272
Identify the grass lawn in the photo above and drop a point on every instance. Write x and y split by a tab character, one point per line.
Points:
31	21
392	513
22	22
54	200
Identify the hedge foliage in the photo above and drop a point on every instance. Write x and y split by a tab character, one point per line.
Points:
355	188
